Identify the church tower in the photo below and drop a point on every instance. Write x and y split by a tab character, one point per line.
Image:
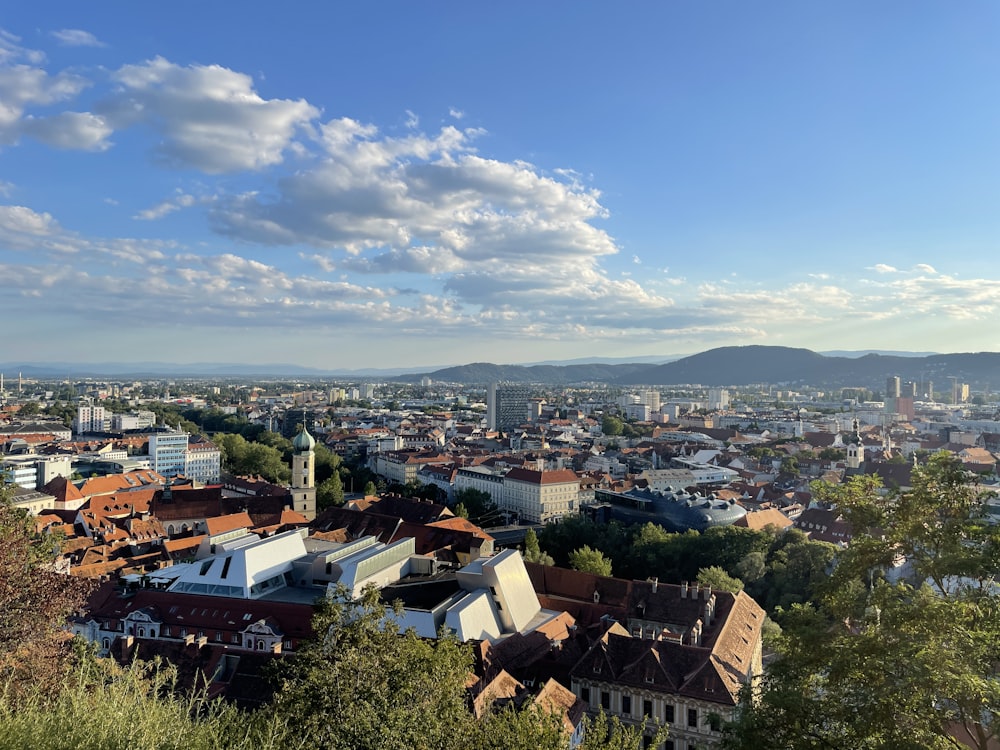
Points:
853	456
304	474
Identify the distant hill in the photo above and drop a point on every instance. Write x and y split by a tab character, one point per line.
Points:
487	372
744	365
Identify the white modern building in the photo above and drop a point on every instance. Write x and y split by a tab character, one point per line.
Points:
168	452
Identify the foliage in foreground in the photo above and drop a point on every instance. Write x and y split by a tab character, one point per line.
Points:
888	662
101	706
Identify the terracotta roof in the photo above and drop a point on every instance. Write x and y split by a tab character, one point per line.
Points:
761	519
231	522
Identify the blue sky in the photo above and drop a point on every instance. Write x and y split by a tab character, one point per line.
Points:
413	184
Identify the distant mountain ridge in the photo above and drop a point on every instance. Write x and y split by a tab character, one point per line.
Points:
731	365
746	365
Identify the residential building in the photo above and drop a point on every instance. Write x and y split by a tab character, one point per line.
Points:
89	418
203	461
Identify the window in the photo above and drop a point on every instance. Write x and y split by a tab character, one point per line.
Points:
668	714
647	709
627	705
692	717
668	745
605	700
585	695
715	722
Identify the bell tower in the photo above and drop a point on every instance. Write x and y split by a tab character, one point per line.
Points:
304	474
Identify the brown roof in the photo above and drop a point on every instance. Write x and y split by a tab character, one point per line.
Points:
559	476
761	519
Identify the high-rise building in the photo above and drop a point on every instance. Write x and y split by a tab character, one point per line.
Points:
89	418
892	387
718	399
507	406
652	400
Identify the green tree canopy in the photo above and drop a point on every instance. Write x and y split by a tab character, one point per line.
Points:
611	425
901	648
590	561
719	579
533	552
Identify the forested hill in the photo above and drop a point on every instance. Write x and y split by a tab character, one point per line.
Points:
486	372
742	365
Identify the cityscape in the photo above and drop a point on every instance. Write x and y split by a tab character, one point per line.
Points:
397	375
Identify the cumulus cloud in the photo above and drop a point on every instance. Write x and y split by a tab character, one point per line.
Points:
23	220
209	117
456	113
70	130
25	86
77	38
883	268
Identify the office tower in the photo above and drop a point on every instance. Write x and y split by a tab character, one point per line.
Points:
892	387
507	406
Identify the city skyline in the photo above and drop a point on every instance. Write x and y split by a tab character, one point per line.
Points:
392	185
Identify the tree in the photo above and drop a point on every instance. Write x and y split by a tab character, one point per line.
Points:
611	425
363	684
29	409
370	488
34	602
590	561
479	505
790	466
890	655
719	579
330	492
533	552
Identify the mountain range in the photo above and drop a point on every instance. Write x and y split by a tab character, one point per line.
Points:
746	365
724	366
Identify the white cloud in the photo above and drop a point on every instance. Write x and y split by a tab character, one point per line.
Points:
69	130
456	113
209	117
166	207
883	268
25	86
924	268
22	220
77	38
412	121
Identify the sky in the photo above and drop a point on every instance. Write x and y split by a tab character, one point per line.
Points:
391	184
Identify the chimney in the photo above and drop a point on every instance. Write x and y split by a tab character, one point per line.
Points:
684	589
694	590
656	582
707	591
